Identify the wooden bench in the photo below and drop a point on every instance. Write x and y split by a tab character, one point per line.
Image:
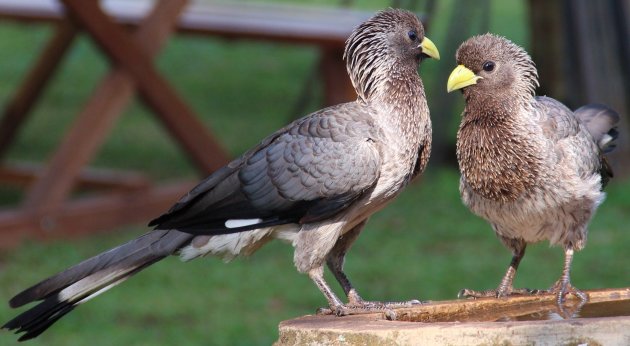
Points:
130	197
286	23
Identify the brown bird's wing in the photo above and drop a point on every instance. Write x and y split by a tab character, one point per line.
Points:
308	171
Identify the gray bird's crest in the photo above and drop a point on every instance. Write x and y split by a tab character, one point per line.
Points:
368	49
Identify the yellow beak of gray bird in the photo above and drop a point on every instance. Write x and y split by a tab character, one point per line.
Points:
530	166
313	183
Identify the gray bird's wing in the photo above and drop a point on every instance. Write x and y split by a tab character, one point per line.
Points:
570	139
558	121
308	171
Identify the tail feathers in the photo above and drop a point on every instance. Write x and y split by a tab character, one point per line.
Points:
601	123
35	321
84	281
155	244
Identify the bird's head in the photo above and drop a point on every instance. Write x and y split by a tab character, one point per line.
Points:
391	39
493	65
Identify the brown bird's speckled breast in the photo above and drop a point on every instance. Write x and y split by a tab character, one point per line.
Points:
496	161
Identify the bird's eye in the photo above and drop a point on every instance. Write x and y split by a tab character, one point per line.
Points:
488	66
412	35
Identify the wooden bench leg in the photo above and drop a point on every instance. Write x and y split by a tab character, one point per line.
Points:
87	215
18	107
206	153
333	69
97	118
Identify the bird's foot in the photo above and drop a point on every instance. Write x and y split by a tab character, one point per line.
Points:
561	288
365	307
497	293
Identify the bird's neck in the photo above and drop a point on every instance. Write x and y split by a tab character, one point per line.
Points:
496	155
402	109
489	109
401	102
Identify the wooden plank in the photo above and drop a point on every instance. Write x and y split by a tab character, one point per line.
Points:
277	22
87	215
32	10
285	23
206	153
492	309
24	99
94	123
23	174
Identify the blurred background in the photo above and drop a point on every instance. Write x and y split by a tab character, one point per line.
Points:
426	245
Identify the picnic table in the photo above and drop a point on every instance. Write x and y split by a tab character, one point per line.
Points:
47	209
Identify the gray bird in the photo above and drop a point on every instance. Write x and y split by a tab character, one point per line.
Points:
530	166
313	183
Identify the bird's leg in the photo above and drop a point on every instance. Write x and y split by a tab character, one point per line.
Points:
563	286
505	287
336	306
335	261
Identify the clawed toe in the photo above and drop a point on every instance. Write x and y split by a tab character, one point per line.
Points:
497	293
561	290
466	293
365	307
341	310
405	304
324	311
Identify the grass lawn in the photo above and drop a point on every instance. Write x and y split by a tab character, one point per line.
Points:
425	245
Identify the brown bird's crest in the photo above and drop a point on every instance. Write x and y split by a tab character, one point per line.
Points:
489	47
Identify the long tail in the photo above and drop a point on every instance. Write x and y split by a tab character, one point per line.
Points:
61	293
601	123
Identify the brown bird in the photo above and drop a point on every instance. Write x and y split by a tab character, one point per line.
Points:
313	183
530	166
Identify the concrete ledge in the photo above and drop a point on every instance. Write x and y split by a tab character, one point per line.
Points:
515	321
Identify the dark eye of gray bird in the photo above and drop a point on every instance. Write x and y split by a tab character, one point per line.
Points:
488	66
313	183
530	166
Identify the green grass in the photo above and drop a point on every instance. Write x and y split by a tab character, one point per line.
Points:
425	245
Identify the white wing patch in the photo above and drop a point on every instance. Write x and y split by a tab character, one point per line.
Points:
236	223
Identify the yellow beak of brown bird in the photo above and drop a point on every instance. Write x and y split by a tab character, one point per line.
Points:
461	77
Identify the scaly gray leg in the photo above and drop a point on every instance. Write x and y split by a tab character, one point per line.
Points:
356	304
336	258
563	286
317	275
